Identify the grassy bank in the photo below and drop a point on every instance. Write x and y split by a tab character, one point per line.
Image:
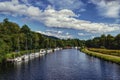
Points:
12	55
106	57
106	51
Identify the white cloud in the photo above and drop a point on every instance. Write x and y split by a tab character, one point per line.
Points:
15	8
65	19
60	32
56	34
85	34
67	33
108	8
53	18
55	31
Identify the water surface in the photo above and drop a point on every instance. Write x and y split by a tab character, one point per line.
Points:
68	64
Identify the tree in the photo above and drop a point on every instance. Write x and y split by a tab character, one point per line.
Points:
25	29
109	41
5	20
117	40
102	40
35	40
2	46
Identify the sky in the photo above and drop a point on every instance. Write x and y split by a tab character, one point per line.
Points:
82	19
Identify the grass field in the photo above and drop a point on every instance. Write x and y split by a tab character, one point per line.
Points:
106	51
107	57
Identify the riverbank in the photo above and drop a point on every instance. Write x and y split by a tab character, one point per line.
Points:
26	55
111	58
106	51
67	64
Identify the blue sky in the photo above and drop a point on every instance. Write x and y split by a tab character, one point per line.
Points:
83	19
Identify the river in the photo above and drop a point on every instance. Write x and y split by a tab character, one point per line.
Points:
67	64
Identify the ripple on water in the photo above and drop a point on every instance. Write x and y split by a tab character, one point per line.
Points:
68	64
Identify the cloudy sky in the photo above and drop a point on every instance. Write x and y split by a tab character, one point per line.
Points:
83	19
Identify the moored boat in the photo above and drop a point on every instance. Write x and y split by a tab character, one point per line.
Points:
18	59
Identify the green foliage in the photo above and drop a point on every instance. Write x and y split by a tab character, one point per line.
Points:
8	28
25	29
108	42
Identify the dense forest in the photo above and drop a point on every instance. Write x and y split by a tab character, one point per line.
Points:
104	41
14	38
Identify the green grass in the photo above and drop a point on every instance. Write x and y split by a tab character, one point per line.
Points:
11	55
115	59
106	51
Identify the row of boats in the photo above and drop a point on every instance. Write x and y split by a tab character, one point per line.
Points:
27	57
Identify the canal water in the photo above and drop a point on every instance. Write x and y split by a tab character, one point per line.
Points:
68	64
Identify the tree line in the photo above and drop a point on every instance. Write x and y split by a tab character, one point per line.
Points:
104	41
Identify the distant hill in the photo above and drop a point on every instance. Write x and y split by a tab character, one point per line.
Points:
52	37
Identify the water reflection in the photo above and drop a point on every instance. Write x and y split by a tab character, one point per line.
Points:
69	64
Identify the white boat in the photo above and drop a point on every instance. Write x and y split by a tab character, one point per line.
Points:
57	49
42	54
49	50
25	57
18	59
32	55
42	51
37	54
76	47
